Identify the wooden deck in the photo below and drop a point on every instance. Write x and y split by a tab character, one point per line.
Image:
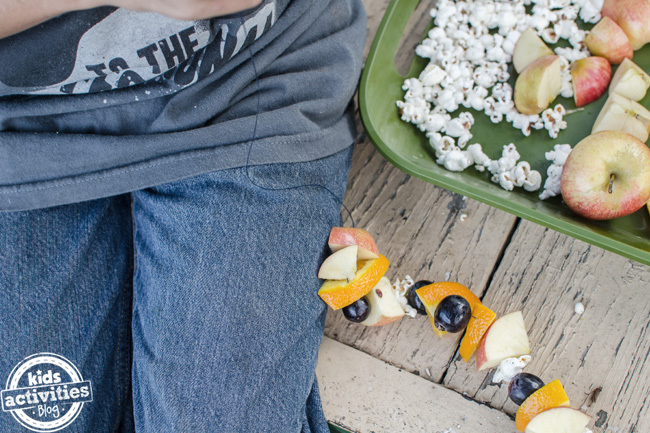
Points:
402	378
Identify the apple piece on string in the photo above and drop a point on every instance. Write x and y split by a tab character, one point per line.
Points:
341	237
632	16
630	81
607	39
529	47
538	85
606	176
341	265
505	338
590	77
384	306
559	420
625	115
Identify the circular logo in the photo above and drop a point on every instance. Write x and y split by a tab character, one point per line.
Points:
45	392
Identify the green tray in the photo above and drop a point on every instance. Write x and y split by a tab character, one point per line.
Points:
406	147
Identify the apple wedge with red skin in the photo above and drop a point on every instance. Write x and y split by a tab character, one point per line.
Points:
341	237
505	338
559	420
384	306
538	85
632	16
607	39
591	77
606	176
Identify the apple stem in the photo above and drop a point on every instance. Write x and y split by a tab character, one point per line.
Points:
611	183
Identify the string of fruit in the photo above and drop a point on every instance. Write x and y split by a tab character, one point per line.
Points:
355	283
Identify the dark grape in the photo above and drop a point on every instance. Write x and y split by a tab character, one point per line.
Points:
452	314
357	311
523	385
413	299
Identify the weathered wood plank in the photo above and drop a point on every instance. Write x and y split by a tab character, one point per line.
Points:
428	233
602	355
366	395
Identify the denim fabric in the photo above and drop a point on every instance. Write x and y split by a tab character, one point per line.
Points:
190	307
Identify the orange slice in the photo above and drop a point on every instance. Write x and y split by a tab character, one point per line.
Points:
340	293
482	318
432	294
547	397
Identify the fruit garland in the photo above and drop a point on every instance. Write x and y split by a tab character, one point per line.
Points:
355	283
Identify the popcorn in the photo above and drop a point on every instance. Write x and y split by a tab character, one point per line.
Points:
481	160
456	160
441	144
400	288
509	172
460	125
431	75
435	122
509	368
590	11
550	36
553	120
530	180
469	51
558	157
572	54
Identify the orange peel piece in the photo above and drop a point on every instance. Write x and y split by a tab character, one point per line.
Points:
547	397
433	293
341	293
482	318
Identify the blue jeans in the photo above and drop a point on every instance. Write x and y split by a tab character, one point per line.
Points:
189	307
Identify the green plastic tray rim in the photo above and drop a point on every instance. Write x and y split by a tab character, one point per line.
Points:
380	88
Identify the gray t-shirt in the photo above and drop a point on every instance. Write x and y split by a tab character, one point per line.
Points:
106	101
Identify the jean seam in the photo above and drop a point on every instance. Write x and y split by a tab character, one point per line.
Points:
118	363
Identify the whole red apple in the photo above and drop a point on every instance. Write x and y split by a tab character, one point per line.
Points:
607	175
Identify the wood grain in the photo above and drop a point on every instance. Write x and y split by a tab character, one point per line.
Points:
366	395
428	233
600	356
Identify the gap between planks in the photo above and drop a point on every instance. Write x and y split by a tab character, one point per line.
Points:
364	394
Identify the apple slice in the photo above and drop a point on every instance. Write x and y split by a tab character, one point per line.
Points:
529	47
549	396
606	176
607	39
340	293
506	338
559	420
538	85
625	115
630	81
341	237
590	77
341	265
384	306
632	16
